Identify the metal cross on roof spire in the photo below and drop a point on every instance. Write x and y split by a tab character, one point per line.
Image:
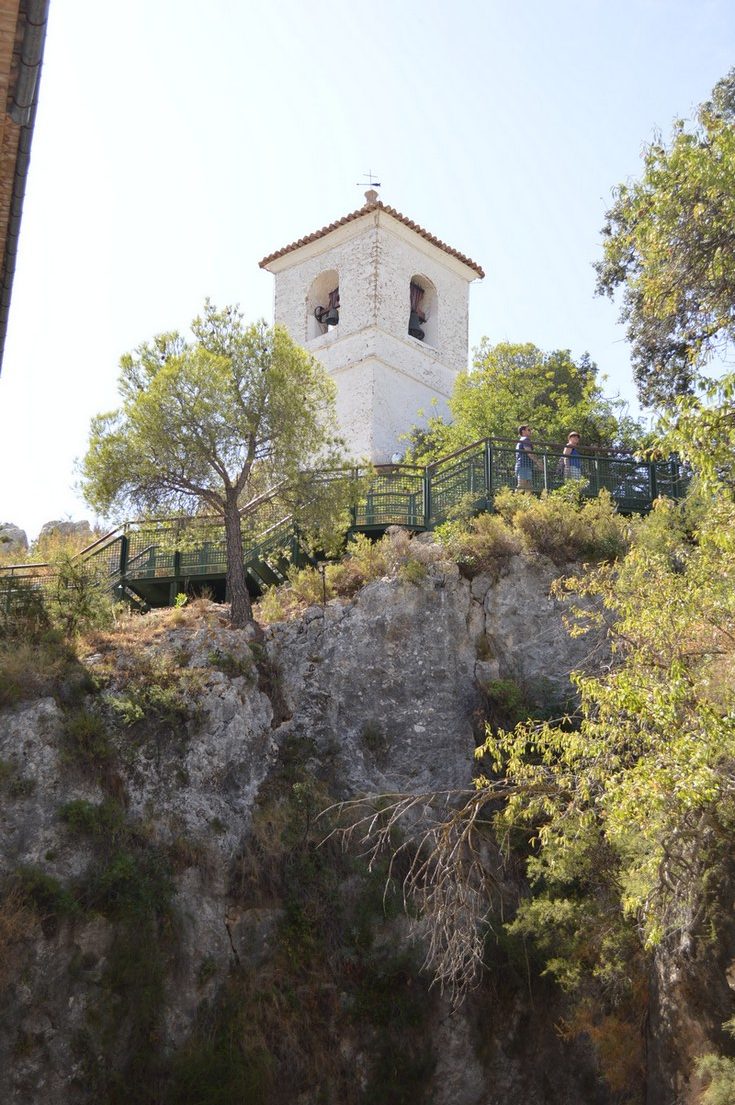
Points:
371	195
370	182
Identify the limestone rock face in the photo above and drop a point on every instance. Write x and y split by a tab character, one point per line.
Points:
81	531
526	634
692	987
384	687
383	693
12	539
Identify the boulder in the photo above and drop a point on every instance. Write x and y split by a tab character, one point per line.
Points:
12	539
80	532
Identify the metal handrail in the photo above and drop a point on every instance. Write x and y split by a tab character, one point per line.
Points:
407	494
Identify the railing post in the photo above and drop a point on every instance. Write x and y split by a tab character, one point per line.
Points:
176	582
123	561
546	471
353	504
488	465
595	473
674	466
427	498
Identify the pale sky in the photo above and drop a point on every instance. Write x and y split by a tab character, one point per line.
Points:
177	142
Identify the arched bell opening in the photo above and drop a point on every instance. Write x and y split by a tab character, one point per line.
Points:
422	311
322	304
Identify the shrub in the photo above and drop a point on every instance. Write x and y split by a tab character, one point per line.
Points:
719	1073
484	544
565	527
396	554
79	598
102	822
507	703
220	1064
86	740
15	921
37	666
233	666
413	571
23	615
46	895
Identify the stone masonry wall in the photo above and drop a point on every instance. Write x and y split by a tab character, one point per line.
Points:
384	376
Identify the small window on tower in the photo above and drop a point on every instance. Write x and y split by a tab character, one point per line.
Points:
422	310
328	316
417	318
322	305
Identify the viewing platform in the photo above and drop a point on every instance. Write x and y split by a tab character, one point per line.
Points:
150	562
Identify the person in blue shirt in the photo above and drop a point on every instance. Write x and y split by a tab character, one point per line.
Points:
525	460
571	458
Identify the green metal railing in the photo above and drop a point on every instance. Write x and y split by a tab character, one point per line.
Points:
160	557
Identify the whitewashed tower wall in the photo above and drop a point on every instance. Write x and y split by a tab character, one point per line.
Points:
384	376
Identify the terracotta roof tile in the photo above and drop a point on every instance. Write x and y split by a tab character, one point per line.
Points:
376	205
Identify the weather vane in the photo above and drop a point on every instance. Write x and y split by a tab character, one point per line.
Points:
369	182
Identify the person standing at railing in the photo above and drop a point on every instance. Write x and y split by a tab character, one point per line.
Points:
571	460
525	460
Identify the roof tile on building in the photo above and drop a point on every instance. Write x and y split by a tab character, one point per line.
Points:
366	209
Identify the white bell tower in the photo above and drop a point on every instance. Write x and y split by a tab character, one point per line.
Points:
383	304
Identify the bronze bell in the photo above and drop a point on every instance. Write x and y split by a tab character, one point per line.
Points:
414	325
327	316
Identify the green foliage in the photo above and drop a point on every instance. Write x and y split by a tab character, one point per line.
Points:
102	823
51	900
485	543
374	739
718	1073
329	975
628	809
130	883
219	1065
631	811
233	666
35	660
133	885
701	430
669	246
205	424
394	554
511	384
72	597
181	600
23	613
158	701
85	739
165	709
507	700
388	1000
79	598
412	571
562	525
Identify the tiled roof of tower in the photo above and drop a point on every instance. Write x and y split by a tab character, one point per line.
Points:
366	209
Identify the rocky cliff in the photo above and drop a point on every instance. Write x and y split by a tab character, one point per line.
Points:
178	925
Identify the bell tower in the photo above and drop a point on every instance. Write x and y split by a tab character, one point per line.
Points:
383	304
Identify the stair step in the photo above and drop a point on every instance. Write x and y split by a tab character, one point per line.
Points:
265	572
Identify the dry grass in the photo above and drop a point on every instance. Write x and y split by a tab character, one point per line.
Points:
57	545
397	555
33	670
137	642
16	920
